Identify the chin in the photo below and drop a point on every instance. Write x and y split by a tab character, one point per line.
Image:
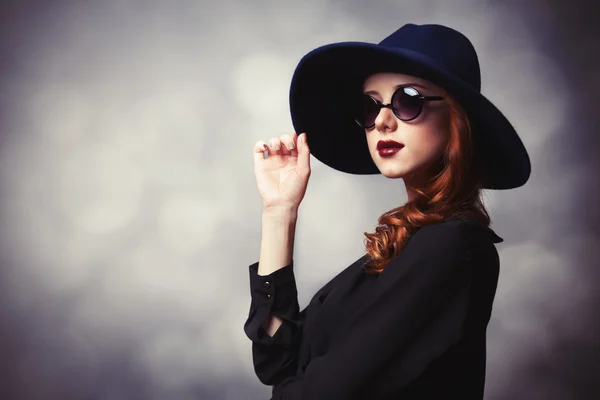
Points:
392	173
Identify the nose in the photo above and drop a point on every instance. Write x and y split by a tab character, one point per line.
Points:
386	120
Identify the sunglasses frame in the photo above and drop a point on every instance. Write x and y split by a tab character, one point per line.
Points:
381	105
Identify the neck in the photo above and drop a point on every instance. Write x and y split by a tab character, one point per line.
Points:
420	178
411	194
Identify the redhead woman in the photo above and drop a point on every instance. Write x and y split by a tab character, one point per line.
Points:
408	319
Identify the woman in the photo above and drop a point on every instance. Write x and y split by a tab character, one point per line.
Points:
408	319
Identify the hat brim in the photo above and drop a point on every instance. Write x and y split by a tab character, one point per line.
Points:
328	78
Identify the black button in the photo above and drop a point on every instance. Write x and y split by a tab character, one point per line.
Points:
267	284
268	296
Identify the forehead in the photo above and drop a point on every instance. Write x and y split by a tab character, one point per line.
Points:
383	80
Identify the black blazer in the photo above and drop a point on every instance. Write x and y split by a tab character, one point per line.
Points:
417	331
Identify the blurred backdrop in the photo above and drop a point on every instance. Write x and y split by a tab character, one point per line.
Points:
129	211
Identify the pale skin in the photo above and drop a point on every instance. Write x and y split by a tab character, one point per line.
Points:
283	176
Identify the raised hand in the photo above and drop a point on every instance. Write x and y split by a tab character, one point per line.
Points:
282	177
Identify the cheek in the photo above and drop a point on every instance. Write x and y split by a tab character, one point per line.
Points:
438	141
428	143
439	133
372	144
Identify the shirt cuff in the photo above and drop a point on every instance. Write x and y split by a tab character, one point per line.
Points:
276	291
273	294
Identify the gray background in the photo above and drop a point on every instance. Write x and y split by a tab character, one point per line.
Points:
129	211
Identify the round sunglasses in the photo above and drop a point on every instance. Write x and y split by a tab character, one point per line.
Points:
407	104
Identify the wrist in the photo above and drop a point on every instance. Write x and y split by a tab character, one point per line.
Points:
280	213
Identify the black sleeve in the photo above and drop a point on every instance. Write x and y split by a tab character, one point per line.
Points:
429	281
276	357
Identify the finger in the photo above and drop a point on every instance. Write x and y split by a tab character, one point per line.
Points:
288	145
295	139
285	151
303	153
274	146
259	150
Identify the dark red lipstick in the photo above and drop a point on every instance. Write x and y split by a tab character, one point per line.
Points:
388	148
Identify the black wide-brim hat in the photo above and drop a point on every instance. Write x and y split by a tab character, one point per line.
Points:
329	79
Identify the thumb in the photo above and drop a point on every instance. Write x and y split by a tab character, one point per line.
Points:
303	152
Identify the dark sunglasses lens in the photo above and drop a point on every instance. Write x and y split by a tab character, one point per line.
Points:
366	112
406	103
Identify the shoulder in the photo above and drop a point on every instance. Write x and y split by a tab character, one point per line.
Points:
436	252
454	232
454	237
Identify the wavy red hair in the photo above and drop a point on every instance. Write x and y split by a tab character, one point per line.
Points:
453	189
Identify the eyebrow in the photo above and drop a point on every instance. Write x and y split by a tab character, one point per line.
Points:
399	86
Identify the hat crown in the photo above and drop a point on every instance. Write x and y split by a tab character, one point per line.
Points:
449	48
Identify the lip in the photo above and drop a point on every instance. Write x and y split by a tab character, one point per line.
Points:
389	151
386	144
